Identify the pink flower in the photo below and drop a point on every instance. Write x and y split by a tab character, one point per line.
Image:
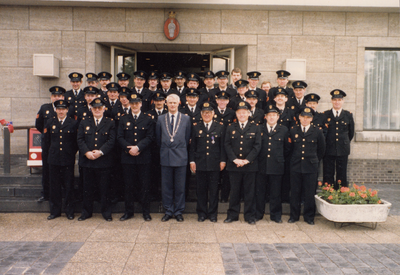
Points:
352	194
319	183
330	197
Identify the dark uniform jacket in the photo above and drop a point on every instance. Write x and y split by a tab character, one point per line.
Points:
140	133
195	117
274	149
109	109
243	144
262	99
117	113
308	149
146	100
75	101
340	131
204	96
61	141
289	91
294	104
213	92
258	117
101	138
234	101
226	118
207	147
182	95
46	112
153	113
103	95
83	112
287	118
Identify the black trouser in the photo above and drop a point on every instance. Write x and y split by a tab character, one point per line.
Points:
155	187
61	177
286	182
225	185
137	179
274	184
96	178
248	180
45	171
207	193
340	163
302	183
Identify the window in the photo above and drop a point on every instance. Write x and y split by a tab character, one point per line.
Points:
382	90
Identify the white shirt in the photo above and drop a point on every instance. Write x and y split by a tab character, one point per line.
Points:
192	109
244	124
334	112
269	127
209	125
138	114
139	91
159	111
62	121
98	120
220	110
307	127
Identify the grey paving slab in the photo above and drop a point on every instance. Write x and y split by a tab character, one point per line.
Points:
36	257
287	258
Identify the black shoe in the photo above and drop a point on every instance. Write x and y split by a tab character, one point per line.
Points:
278	221
70	217
42	199
213	219
166	218
252	222
147	217
82	218
52	217
179	218
229	220
310	222
201	219
291	220
108	219
126	217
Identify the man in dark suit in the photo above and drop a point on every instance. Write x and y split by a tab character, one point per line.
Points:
207	158
256	114
112	98
282	80
96	140
75	96
308	144
166	81
123	79
296	102
271	162
92	80
104	80
173	136
60	136
224	115
45	113
209	79
139	80
253	78
180	79
85	111
135	135
222	79
340	132
242	145
153	81
191	108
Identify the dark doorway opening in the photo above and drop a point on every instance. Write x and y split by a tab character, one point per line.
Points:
172	62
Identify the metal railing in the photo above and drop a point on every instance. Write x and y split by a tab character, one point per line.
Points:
7	146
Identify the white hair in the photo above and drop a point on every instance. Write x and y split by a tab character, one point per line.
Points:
173	96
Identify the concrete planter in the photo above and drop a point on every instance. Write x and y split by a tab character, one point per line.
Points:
353	213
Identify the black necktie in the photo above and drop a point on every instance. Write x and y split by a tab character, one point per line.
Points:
112	103
299	101
207	126
270	129
61	122
97	122
158	112
126	110
304	130
191	110
242	126
222	112
135	117
337	113
171	126
76	93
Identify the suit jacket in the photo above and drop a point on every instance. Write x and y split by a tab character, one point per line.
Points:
140	133
153	113
101	138
45	113
61	141
243	144
84	112
109	109
207	148
340	131
213	92
173	153
262	98
275	147
308	149
294	104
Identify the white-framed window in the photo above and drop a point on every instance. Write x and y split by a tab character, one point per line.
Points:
382	89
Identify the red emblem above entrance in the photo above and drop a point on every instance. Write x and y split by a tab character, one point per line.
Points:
171	26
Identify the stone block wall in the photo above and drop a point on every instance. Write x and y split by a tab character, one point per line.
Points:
333	43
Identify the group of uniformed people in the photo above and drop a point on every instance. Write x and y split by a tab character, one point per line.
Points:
245	144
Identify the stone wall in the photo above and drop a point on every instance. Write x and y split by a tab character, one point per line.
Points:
333	43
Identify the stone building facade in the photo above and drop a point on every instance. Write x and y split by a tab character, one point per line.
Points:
333	43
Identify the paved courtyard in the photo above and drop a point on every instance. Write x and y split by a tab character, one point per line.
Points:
30	244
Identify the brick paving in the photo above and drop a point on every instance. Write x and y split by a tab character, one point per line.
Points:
310	258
